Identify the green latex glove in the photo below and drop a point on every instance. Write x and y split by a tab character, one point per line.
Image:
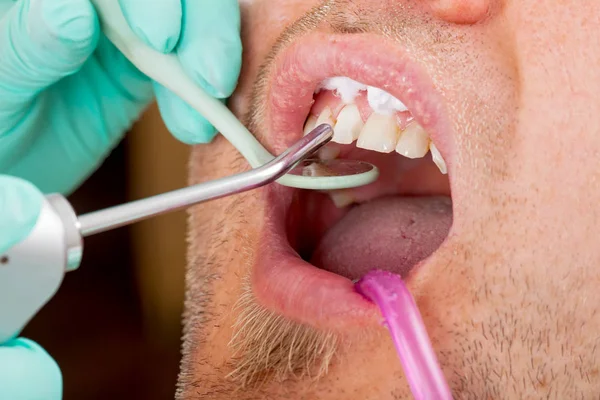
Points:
67	95
27	372
66	98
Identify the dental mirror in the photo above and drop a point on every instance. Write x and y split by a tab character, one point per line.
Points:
331	174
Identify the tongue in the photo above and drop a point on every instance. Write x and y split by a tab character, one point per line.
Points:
392	233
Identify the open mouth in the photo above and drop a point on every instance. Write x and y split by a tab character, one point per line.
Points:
385	111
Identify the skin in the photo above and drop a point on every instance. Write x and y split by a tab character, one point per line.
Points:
511	299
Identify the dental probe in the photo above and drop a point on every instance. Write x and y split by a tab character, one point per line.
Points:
32	270
168	71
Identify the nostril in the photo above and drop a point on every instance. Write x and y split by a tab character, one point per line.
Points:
461	11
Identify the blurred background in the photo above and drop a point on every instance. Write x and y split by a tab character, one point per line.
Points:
114	326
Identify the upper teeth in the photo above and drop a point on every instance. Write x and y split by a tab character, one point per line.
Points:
414	141
437	158
348	126
381	132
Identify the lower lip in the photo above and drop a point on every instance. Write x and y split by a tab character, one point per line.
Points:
287	285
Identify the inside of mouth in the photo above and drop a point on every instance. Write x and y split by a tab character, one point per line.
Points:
391	224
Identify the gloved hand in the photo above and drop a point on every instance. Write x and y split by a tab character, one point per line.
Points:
67	95
66	98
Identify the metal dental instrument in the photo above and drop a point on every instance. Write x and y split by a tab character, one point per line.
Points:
32	270
124	214
167	70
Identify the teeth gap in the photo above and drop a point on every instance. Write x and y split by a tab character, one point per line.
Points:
390	126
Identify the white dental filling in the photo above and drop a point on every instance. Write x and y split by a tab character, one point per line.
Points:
347	89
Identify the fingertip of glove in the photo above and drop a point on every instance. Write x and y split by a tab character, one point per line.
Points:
158	25
210	49
202	134
72	21
184	123
27	371
217	69
190	129
164	42
33	350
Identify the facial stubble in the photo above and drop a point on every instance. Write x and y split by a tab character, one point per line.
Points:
267	346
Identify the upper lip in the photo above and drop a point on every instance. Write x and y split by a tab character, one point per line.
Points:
282	281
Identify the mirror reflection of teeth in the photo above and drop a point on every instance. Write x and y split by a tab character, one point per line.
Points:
382	131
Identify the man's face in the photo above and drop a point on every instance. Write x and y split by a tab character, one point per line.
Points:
506	243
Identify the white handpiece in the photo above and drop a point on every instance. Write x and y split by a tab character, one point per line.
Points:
32	270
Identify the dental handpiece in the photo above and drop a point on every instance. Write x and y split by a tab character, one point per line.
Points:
32	270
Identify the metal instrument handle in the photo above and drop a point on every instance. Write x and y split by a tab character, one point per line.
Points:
125	214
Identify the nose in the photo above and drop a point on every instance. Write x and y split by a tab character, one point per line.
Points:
461	11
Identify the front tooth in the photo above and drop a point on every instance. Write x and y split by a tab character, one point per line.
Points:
437	158
310	124
380	133
326	117
348	125
413	142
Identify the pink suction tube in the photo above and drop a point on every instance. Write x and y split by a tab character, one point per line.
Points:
405	324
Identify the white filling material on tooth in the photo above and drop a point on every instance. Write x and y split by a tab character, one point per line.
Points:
310	124
437	158
346	88
413	142
380	133
382	102
348	125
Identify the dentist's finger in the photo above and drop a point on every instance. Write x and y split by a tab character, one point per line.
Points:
27	372
20	204
185	123
41	41
210	47
210	51
157	24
